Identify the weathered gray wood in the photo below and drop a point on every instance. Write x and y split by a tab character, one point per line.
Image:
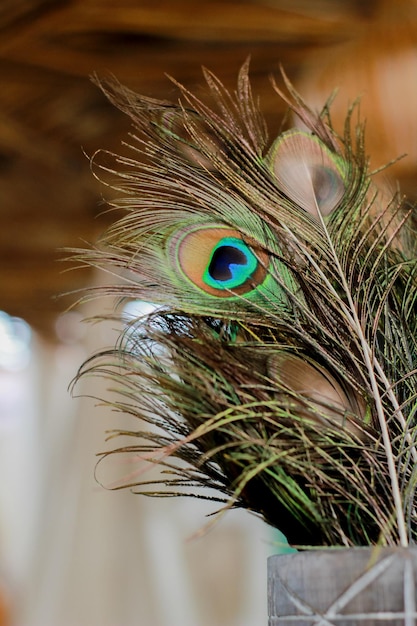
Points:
344	587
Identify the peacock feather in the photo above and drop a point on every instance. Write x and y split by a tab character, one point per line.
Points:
279	367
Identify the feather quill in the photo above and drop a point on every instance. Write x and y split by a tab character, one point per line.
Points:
280	366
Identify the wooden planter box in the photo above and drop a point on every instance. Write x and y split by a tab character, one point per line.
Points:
343	587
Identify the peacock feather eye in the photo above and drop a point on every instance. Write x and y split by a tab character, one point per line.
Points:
231	264
218	261
308	172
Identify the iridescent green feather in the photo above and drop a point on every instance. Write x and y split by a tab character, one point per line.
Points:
281	366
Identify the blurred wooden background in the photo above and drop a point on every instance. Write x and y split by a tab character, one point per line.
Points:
51	114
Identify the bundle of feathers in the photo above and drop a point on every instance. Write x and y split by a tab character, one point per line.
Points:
279	366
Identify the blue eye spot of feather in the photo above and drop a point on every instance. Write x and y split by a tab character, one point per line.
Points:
231	264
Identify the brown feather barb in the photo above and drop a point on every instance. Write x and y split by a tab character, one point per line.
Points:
279	367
